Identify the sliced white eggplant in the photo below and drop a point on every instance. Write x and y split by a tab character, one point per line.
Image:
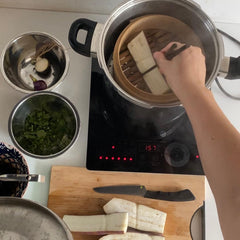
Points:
131	236
140	217
97	224
156	82
141	52
42	67
121	205
142	55
151	220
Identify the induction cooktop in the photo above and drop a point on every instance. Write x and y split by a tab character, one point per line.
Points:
119	142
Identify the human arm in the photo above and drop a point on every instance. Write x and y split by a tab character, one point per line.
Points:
217	140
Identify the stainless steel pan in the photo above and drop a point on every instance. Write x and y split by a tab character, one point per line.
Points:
22	219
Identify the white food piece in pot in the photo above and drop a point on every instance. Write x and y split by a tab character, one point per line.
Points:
41	64
155	82
140	217
142	55
131	236
145	64
97	224
141	52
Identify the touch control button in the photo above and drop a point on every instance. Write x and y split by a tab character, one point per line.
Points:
176	154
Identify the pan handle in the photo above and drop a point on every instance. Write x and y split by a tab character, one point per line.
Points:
230	68
82	24
234	68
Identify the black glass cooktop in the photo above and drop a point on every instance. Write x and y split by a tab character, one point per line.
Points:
117	141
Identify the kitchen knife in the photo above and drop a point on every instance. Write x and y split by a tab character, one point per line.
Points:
140	190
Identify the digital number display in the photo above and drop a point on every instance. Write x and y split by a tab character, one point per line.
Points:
151	148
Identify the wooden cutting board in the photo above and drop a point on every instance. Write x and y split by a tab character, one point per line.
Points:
71	192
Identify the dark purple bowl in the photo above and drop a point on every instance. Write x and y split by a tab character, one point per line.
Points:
12	161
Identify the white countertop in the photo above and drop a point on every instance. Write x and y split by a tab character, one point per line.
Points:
76	87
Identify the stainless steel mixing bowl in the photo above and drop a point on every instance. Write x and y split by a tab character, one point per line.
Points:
44	124
17	61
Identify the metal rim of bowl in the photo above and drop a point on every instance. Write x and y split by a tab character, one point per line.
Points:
43	34
67	101
37	208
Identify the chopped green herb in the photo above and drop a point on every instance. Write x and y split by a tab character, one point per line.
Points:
46	130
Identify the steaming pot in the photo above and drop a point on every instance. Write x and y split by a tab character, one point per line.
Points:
101	39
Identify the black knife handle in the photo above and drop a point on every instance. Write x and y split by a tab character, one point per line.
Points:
180	196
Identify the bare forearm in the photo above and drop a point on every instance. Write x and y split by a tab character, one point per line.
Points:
218	141
219	146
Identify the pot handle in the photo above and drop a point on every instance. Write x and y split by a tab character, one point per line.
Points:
234	68
84	24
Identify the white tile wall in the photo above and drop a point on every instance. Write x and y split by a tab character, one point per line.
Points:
91	6
221	10
218	10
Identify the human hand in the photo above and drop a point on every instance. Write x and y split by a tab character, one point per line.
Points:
185	72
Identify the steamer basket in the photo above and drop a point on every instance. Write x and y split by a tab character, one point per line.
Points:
159	30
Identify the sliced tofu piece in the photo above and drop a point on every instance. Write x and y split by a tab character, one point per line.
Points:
131	236
140	217
98	224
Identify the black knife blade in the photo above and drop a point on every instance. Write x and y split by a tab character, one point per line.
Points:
140	190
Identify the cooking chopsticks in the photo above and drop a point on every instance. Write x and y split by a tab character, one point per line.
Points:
171	53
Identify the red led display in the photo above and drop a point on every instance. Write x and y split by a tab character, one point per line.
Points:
151	148
117	158
197	156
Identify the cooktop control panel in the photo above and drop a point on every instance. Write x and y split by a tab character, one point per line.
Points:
140	156
117	144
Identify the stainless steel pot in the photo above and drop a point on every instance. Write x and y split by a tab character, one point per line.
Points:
101	38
